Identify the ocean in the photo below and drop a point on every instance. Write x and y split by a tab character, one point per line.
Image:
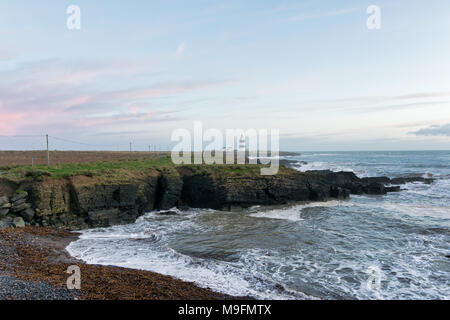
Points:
369	247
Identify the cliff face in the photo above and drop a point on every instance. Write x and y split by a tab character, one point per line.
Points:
82	202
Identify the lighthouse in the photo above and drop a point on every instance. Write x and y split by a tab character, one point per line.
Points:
242	145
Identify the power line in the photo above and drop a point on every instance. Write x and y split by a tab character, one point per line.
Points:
82	143
47	143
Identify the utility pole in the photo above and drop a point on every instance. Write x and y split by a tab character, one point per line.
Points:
48	152
130	146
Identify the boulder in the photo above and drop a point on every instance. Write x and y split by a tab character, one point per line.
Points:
21	207
3	200
403	180
18	222
6	206
375	188
19	195
3	212
19	202
393	189
369	180
27	214
339	193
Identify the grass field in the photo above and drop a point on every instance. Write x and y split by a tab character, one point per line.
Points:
111	165
13	158
16	165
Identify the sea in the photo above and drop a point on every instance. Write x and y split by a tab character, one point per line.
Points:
395	246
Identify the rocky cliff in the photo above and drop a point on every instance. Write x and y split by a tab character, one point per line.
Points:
79	202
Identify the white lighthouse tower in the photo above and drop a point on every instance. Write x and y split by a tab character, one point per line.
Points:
242	145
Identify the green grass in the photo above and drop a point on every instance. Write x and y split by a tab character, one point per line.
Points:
99	168
120	168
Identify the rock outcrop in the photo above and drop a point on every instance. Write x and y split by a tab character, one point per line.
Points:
15	211
81	202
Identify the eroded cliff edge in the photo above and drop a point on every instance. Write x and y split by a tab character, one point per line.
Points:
85	201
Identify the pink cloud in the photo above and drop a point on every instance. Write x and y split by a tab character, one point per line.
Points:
65	97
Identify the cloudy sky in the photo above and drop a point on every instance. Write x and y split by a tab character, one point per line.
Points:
137	70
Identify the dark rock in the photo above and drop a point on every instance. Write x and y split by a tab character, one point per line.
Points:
6	206
345	180
21	207
3	200
27	214
19	195
19	202
375	188
18	222
202	192
339	193
404	180
111	217
368	180
3	212
338	178
393	189
169	191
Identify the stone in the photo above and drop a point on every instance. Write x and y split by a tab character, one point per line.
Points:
375	188
370	180
3	200
19	195
339	193
19	202
18	222
104	218
21	207
27	214
3	212
6	206
404	180
393	189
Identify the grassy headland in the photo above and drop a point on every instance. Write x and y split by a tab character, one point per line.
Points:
118	168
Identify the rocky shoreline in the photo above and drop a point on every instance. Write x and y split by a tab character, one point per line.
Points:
34	262
81	202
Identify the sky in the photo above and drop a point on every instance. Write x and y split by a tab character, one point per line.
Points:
138	70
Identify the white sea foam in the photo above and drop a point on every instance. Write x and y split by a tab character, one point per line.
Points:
319	165
293	213
129	246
